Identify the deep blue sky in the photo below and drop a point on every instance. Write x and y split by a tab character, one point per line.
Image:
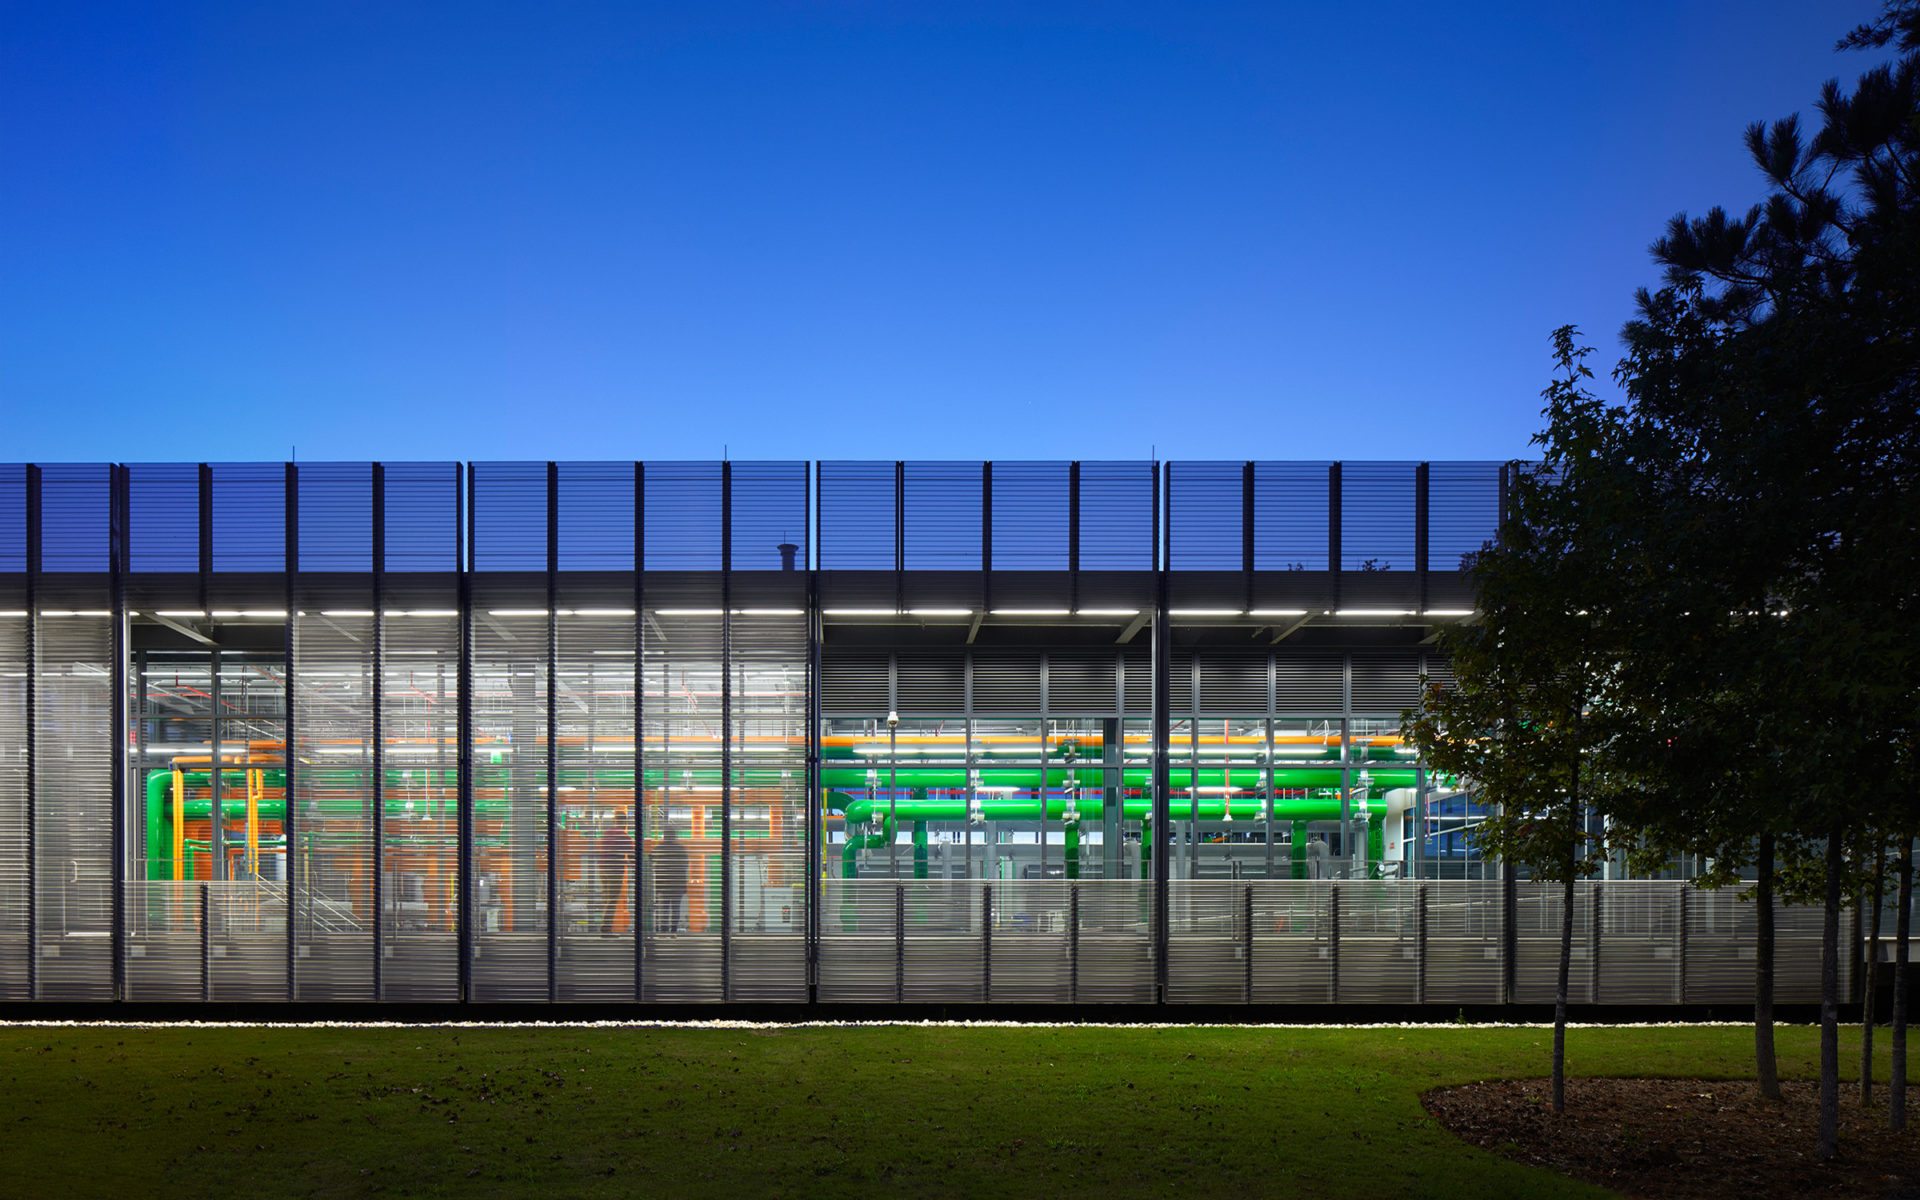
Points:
846	230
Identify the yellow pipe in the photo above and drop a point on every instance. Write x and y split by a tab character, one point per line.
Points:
253	823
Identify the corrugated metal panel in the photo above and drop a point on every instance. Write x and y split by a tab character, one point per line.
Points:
1290	516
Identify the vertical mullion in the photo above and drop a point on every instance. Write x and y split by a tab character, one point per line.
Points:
379	784
1333	531
1420	517
986	536
291	497
810	894
553	732
117	720
1073	539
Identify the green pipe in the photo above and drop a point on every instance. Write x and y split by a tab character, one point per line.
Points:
1297	836
955	778
919	849
1208	808
1073	849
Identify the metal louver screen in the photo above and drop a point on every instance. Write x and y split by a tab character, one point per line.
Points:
1233	684
15	840
332	851
596	502
1308	683
1463	511
509	517
75	508
682	818
249	517
1377	516
1006	684
510	853
336	517
769	510
854	684
163	517
73	809
767	865
857	516
1116	516
942	510
930	685
1207	504
1290	516
13	518
1030	516
423	516
420	795
1385	683
682	516
1082	684
594	712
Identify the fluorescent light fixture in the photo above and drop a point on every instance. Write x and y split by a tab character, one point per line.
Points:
1204	612
188	613
1449	612
771	612
14	612
1109	612
424	612
1032	612
1374	612
1277	612
616	653
688	612
597	612
346	612
75	612
859	612
939	612
516	612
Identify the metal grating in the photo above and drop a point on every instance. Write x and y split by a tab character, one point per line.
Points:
682	517
596	516
857	510
163	517
422	502
1463	511
769	511
942	512
1116	516
16	842
1377	516
1031	516
73	809
336	516
249	517
1206	503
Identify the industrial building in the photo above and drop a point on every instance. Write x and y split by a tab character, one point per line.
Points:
674	732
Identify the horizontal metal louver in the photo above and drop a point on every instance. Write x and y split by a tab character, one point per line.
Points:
336	516
1308	683
1385	683
769	509
509	516
1082	683
1116	516
1181	692
13	517
1031	516
163	501
942	511
856	518
1233	683
853	683
1206	502
249	516
1377	516
596	516
1463	511
422	502
1290	516
931	684
1006	684
682	516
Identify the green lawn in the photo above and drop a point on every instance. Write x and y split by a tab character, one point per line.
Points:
929	1111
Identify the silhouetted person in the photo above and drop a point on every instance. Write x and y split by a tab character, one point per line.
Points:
613	872
669	882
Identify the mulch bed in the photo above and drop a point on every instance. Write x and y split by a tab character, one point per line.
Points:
1696	1139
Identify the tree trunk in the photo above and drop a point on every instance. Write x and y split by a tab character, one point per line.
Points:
1867	1014
1766	1066
1902	926
1827	1145
1560	991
